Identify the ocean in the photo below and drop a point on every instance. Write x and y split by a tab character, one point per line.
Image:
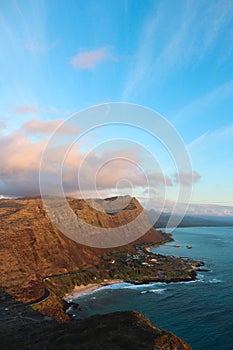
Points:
200	312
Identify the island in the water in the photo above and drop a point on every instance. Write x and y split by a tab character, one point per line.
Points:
41	269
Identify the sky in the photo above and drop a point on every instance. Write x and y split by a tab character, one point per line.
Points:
174	57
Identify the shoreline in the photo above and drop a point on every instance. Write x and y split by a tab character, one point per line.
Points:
157	244
82	289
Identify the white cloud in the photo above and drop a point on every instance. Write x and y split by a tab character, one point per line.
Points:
144	53
208	209
188	39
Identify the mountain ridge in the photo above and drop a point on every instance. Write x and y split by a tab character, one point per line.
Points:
32	247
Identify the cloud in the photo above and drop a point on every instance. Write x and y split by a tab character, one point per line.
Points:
188	39
20	159
90	59
205	102
26	109
211	210
155	61
144	54
187	179
2	126
213	142
2	196
35	46
119	168
47	127
159	179
32	109
200	209
98	171
220	14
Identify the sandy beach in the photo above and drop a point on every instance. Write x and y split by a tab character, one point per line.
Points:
85	289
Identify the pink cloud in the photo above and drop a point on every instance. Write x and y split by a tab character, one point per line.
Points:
2	126
106	170
26	109
38	126
159	179
47	127
89	59
21	156
187	179
20	163
29	109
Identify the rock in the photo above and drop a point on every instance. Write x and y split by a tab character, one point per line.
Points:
119	330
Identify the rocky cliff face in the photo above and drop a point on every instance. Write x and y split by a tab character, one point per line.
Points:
22	328
31	247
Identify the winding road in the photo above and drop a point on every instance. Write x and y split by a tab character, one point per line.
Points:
47	292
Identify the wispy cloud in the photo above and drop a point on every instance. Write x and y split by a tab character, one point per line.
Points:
211	152
32	109
196	35
152	63
35	46
90	59
220	13
216	140
144	53
188	40
46	127
205	101
187	179
2	125
26	109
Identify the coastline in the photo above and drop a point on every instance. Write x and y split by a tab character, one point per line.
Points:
191	274
88	288
80	290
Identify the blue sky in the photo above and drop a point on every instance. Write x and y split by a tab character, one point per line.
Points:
175	57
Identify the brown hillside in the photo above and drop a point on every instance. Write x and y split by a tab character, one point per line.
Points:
32	247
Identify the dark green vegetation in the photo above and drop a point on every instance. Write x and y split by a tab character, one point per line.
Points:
133	264
143	266
137	266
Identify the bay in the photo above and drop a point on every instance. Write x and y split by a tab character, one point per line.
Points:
200	312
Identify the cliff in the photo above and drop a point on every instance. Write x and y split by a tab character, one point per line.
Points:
31	247
21	328
38	261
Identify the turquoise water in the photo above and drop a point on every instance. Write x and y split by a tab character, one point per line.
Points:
200	312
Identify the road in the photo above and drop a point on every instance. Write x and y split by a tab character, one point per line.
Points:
47	293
